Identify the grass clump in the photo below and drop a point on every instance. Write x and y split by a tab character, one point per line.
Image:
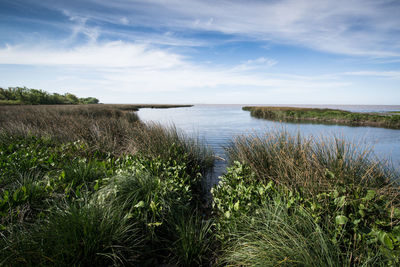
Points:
347	203
332	116
75	234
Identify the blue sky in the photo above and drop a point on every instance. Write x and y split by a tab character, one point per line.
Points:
200	51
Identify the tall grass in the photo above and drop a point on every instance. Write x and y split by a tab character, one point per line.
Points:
112	129
102	128
93	185
350	195
311	165
78	234
278	236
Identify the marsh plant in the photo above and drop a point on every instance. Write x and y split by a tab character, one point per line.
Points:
347	203
84	185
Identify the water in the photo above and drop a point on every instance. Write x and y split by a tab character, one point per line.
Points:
217	125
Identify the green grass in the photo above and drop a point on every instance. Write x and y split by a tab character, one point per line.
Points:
278	236
352	197
86	185
93	185
331	116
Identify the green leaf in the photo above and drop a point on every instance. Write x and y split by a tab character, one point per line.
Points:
370	195
154	224
236	206
15	195
227	214
96	186
140	204
385	239
341	219
329	174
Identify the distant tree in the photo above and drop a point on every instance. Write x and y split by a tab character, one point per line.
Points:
23	95
88	100
71	98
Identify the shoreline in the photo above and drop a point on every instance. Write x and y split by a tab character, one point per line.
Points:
388	120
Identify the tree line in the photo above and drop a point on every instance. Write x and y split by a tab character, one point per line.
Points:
26	96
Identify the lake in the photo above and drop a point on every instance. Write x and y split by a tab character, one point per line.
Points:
217	125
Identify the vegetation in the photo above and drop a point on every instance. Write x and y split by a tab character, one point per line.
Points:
25	96
333	116
83	185
292	201
93	185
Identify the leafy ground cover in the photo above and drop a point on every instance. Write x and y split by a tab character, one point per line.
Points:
84	185
289	201
325	116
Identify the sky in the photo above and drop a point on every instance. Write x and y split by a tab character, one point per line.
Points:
205	51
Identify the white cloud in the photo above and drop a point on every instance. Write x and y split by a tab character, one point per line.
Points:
124	21
357	27
385	74
259	63
115	54
128	67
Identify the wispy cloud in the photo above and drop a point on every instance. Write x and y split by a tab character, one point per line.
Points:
160	47
116	54
358	27
131	67
385	74
253	64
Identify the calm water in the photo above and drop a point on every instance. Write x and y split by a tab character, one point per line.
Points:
218	124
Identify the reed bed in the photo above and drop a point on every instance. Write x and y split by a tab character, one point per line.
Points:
346	201
111	129
329	116
314	165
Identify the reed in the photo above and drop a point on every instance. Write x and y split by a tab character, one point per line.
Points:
350	195
329	116
309	164
111	129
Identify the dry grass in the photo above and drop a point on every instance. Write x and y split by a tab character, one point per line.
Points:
101	127
114	129
312	165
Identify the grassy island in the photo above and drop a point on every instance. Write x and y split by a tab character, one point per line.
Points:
331	116
92	185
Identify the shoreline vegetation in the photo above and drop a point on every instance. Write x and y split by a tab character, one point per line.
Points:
26	96
331	116
93	185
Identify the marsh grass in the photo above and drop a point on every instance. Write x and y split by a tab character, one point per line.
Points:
312	165
75	234
193	239
102	128
278	236
93	185
331	116
350	195
108	129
